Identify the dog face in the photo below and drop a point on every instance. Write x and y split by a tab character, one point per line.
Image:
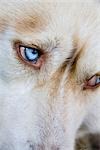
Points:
49	73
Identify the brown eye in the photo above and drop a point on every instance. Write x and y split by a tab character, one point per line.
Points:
30	56
92	82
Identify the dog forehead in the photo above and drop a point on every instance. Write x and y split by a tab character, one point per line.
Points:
57	16
29	15
40	16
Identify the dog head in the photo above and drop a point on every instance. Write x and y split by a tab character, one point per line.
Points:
49	72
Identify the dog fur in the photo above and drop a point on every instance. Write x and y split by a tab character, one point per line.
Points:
47	108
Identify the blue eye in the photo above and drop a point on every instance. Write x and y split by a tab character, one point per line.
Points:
29	54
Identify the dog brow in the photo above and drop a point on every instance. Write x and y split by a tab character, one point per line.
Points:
30	24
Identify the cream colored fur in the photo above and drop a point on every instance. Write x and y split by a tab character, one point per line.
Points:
45	109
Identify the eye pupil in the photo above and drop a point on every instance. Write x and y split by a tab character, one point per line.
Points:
31	54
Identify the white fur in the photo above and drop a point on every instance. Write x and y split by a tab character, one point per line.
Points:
44	109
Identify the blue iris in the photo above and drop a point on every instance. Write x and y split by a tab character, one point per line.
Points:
98	80
31	54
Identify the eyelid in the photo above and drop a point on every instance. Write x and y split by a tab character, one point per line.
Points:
28	46
17	43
